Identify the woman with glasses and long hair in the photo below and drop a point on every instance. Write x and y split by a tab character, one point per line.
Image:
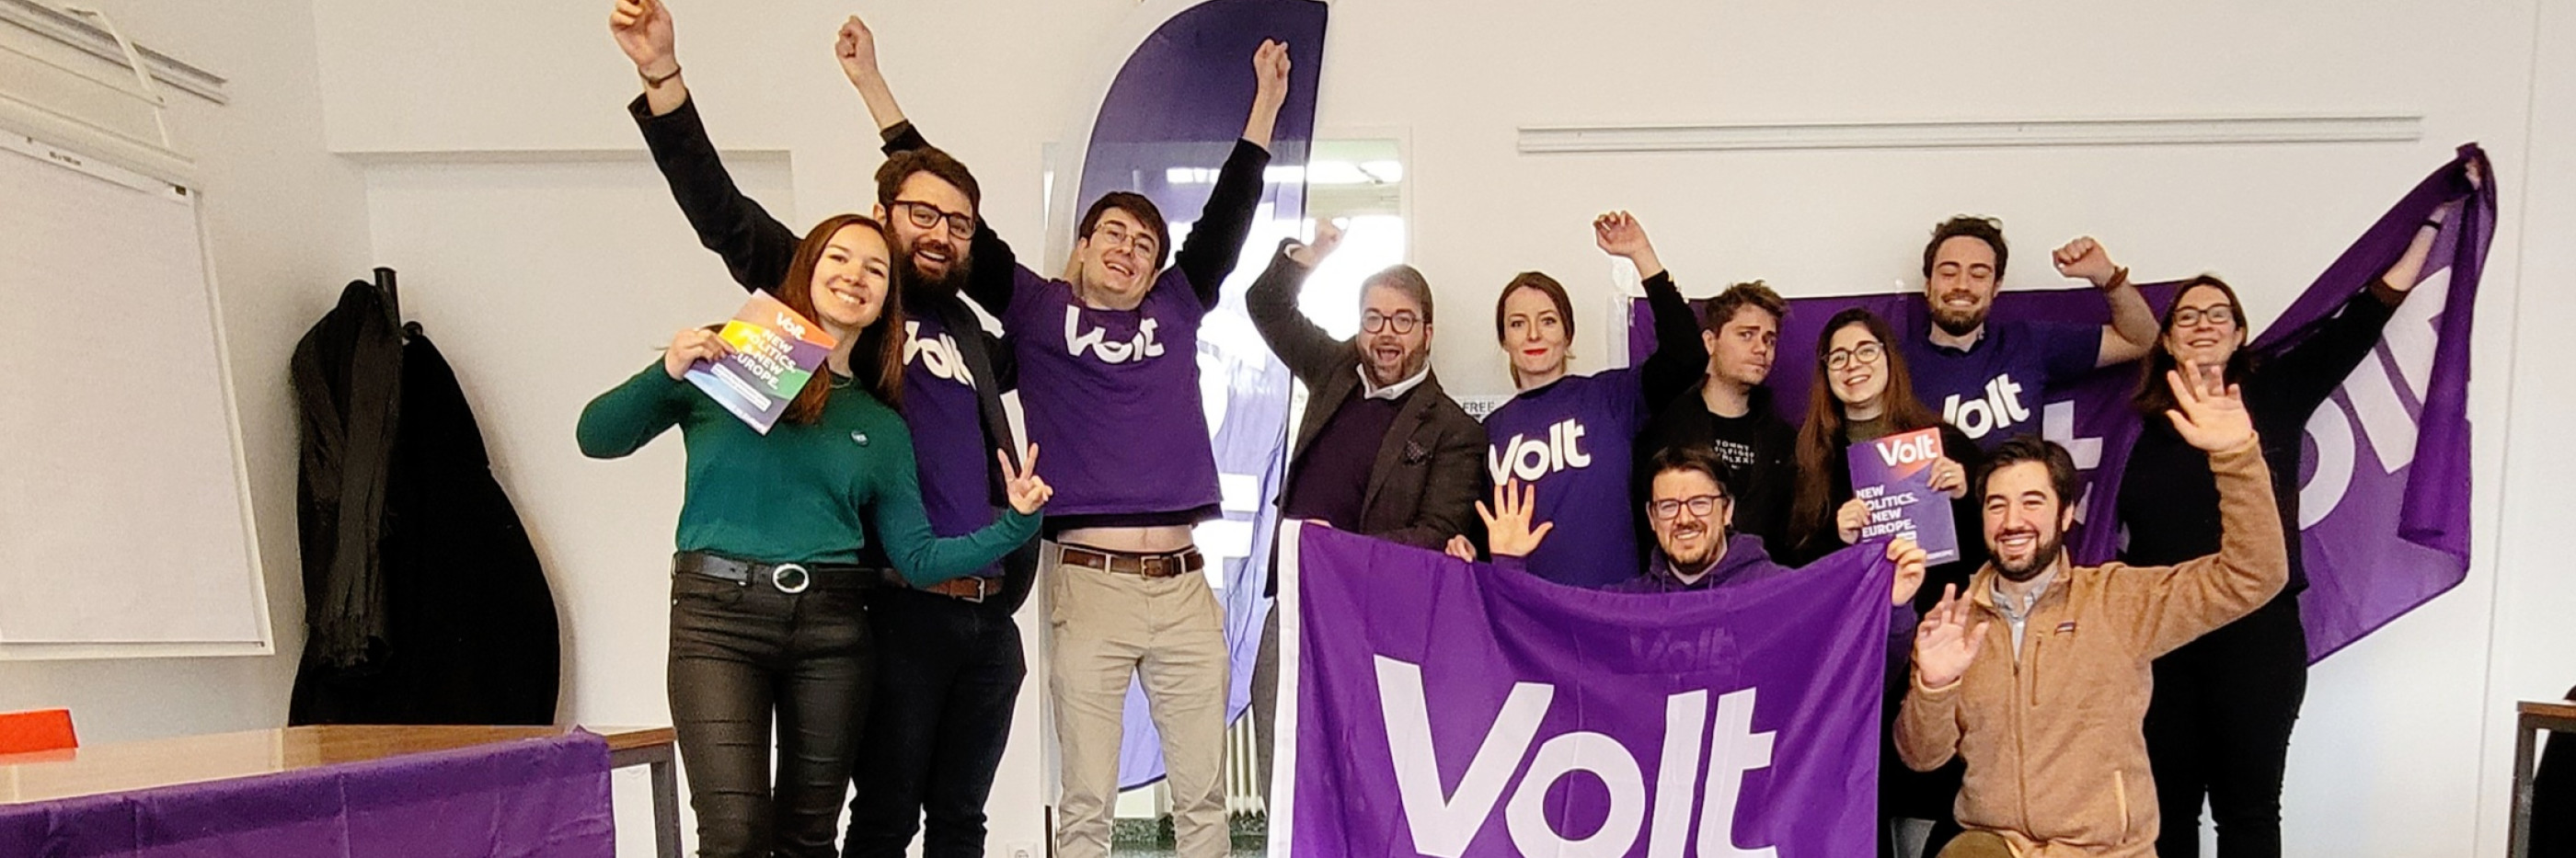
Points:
766	622
1572	437
1862	392
2218	727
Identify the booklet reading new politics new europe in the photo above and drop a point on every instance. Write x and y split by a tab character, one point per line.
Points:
775	351
1893	475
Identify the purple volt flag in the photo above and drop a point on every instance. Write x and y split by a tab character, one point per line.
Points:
1167	123
2384	499
1445	710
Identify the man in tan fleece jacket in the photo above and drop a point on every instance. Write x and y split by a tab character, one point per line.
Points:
2049	719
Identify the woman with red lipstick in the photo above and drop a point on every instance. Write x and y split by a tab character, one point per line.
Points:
2219	724
1572	436
1863	392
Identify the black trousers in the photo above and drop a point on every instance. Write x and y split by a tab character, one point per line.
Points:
945	687
2219	728
741	657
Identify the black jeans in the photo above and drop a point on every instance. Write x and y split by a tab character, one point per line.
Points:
950	675
741	655
2219	728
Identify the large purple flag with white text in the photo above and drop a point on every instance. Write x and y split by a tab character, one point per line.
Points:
2384	499
1443	709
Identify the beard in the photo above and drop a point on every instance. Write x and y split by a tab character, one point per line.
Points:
1957	323
1688	559
1406	367
2047	553
908	273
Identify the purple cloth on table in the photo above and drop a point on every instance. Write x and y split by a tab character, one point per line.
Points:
2385	502
537	797
1447	708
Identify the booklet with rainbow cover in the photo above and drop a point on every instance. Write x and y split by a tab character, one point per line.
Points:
775	351
1894	476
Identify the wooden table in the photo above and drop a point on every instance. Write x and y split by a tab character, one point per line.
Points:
130	766
2534	717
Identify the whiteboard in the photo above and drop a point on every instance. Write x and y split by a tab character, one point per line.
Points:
124	524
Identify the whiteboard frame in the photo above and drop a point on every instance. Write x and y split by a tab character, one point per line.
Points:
37	131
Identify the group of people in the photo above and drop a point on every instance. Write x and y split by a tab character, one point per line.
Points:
851	576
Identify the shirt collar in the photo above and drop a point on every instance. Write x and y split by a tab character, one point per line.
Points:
2038	588
1370	390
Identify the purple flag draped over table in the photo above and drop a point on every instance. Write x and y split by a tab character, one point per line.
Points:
1445	710
2384	502
525	799
1168	121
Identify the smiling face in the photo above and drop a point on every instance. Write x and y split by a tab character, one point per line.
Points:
1689	540
1861	379
1119	256
932	253
2025	522
2215	331
1534	331
1389	355
1961	287
1741	350
849	284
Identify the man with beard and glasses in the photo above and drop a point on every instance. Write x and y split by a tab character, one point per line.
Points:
1381	449
1987	376
1690	507
2050	719
951	659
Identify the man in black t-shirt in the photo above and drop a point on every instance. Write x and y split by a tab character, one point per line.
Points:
1731	413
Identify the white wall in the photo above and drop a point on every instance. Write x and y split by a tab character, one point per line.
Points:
501	176
286	228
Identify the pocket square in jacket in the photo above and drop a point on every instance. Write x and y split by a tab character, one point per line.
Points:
1414	453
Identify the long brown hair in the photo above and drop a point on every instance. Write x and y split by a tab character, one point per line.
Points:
1821	438
2154	396
877	358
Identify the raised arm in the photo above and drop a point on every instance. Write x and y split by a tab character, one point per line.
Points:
1680	358
2132	331
1945	644
2166	607
632	414
992	272
757	249
1216	241
1309	352
903	528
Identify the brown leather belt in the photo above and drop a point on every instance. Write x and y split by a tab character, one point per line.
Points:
1163	564
971	588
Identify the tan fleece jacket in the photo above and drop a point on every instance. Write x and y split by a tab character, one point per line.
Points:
2056	760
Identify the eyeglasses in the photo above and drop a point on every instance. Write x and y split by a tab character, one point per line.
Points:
1403	323
926	216
2219	315
1113	235
1843	358
1699	505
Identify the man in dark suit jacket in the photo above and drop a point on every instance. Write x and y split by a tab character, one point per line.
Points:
1381	451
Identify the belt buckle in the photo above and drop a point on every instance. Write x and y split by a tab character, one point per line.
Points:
790	578
1158	566
982	589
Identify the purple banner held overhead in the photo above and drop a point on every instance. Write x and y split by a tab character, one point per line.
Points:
2384	499
1445	710
1167	123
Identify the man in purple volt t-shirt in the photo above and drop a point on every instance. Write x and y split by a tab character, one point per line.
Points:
1109	380
1991	377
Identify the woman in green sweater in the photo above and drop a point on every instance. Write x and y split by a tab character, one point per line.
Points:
765	611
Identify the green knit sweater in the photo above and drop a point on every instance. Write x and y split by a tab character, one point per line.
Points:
798	493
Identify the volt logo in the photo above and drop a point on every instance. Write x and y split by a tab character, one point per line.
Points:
939	357
1444	822
2384	396
1532	458
1076	341
1908	451
1998	408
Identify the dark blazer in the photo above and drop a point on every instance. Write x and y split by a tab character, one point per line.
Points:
1423	487
758	250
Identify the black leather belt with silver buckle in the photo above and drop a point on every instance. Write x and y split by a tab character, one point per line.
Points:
785	577
1163	564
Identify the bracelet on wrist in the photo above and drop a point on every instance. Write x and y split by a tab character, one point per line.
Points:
652	81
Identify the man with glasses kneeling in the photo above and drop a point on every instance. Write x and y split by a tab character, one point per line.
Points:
1691	509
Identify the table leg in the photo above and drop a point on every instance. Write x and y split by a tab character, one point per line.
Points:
2518	842
666	808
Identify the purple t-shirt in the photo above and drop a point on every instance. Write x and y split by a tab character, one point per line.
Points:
946	417
1572	439
1112	398
1995	389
